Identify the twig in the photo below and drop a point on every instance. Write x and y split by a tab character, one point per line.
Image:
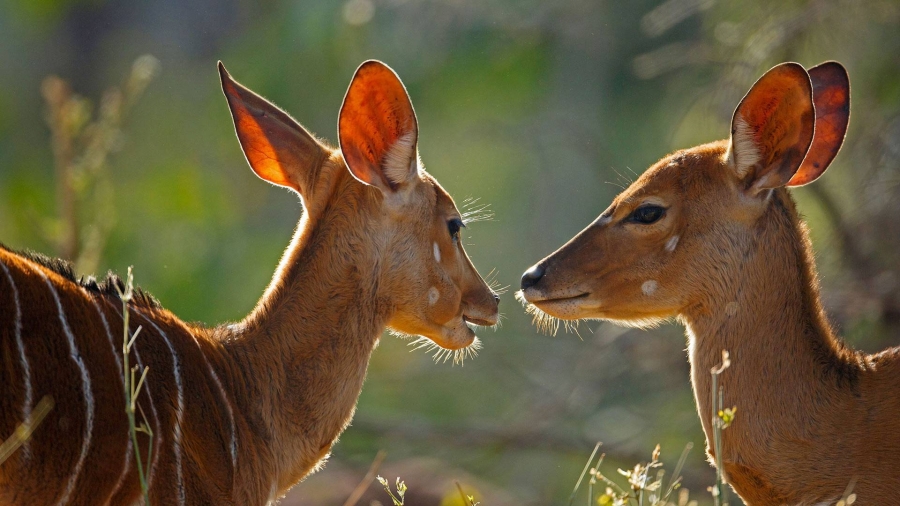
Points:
583	472
132	389
720	492
467	500
25	429
367	480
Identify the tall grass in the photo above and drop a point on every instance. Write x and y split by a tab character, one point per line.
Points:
133	389
646	483
722	417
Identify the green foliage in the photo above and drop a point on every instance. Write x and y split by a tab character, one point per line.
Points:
646	484
541	109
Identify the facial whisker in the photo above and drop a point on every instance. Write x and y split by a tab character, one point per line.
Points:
545	323
474	212
443	355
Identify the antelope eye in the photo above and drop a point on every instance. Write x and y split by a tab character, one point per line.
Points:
648	214
453	226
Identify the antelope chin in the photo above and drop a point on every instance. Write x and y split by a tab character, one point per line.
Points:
455	334
457	342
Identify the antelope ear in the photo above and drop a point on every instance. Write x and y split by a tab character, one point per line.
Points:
377	128
278	149
772	128
831	96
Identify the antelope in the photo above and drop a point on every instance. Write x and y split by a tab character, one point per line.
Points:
710	236
242	412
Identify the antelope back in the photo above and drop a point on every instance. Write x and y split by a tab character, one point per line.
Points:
665	242
62	338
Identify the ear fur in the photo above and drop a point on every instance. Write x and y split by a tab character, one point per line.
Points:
772	128
377	128
277	148
831	96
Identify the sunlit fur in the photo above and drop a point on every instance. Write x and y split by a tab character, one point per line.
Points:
241	412
813	414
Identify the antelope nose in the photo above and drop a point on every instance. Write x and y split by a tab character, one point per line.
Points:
532	276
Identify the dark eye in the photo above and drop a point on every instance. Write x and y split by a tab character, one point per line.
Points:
648	214
453	227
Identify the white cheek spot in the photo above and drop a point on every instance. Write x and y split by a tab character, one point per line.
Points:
649	287
437	253
672	243
731	308
433	296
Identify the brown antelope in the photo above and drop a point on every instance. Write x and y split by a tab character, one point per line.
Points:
711	236
242	412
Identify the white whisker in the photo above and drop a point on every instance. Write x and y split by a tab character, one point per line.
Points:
442	355
545	323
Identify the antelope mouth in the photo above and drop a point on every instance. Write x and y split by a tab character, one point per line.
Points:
554	300
548	312
480	322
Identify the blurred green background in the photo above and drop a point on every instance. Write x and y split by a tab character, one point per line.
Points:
541	109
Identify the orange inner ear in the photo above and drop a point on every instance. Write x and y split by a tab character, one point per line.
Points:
259	151
831	95
375	114
779	111
278	149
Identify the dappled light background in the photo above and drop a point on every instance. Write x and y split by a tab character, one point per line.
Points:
543	110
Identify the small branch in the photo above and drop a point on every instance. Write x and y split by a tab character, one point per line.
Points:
467	500
132	389
583	472
367	480
25	429
720	492
62	118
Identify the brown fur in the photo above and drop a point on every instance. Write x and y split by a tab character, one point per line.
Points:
290	373
813	414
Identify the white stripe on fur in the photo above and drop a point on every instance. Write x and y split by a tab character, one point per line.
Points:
17	331
215	378
128	448
179	411
86	385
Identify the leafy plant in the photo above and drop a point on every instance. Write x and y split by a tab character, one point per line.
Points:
646	483
82	145
397	498
722	418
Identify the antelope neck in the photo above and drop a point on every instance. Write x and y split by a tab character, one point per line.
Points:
766	313
304	350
